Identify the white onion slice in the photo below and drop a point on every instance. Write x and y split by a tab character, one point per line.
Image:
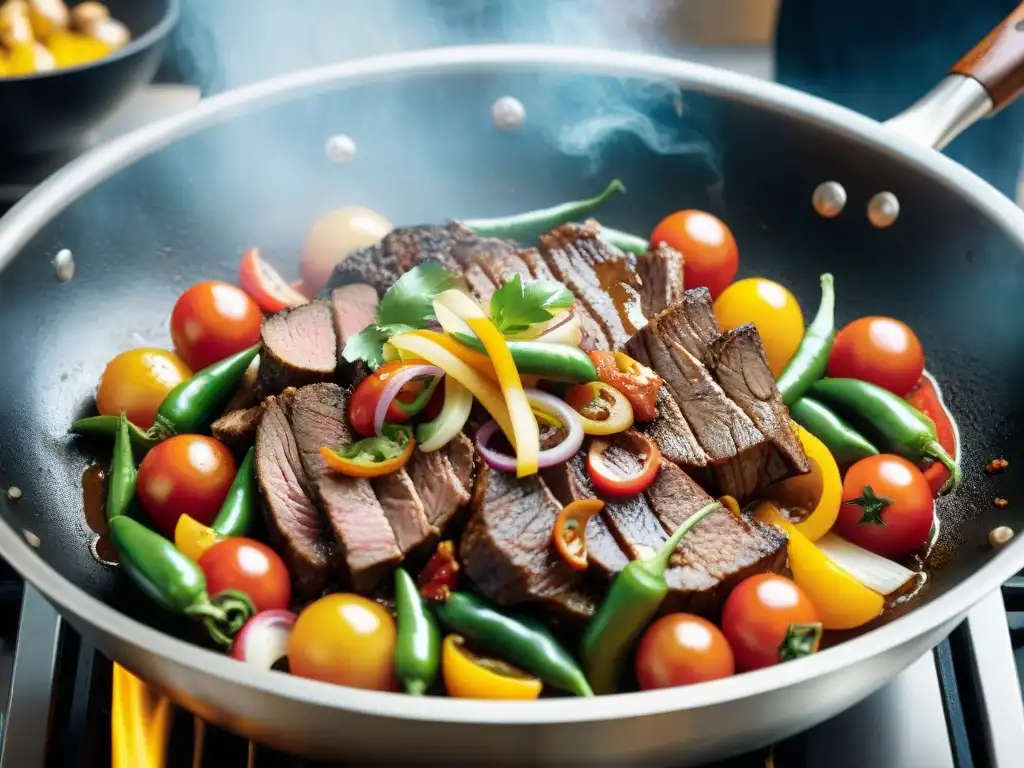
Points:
877	573
263	641
560	454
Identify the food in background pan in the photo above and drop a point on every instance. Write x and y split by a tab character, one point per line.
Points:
490	469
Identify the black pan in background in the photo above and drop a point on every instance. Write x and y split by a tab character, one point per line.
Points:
53	111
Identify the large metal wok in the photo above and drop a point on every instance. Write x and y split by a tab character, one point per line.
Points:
147	214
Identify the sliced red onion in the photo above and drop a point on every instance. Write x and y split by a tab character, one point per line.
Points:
263	641
560	454
395	383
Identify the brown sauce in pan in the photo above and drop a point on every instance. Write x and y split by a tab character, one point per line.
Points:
94	502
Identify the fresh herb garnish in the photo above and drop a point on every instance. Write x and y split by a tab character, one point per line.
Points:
516	306
373	450
407	306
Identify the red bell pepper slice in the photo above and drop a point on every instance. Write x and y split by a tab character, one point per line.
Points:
924	397
610	480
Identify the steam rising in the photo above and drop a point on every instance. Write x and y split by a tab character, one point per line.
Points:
229	43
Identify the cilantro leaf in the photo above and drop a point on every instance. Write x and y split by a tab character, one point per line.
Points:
515	306
410	301
368	344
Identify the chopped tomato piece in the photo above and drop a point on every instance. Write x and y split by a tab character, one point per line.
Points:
440	576
637	382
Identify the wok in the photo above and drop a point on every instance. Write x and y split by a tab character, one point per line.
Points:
150	212
54	110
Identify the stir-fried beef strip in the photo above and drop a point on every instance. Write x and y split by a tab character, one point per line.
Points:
673	435
248	393
367	542
461	454
717	553
506	549
354	307
569	251
295	525
661	276
691	323
594	336
439	487
299	348
569	482
371	265
405	512
238	428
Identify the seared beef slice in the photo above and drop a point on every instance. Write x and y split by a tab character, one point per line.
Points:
238	428
661	276
506	547
405	511
443	480
299	348
367	542
718	553
294	524
370	265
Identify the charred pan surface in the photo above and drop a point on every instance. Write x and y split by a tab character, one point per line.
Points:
405	512
743	372
594	336
299	348
506	548
293	522
238	428
367	543
569	482
569	251
718	553
661	276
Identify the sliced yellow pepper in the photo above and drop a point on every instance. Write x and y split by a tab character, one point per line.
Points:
820	490
620	412
841	601
478	361
483	389
524	425
192	538
467	676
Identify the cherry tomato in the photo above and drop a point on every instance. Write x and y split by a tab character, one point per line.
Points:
346	640
137	381
680	649
772	309
363	403
250	567
887	506
266	287
708	247
757	616
213	320
881	350
334	236
187	473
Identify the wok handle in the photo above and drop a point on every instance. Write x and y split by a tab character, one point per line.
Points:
997	62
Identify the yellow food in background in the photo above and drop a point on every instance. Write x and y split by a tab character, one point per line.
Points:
42	35
772	309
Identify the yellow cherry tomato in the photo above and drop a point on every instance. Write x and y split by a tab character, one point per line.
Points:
192	538
468	676
772	309
841	601
818	494
137	381
345	639
71	49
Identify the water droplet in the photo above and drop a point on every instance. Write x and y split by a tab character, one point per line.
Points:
64	265
829	199
883	210
340	148
508	113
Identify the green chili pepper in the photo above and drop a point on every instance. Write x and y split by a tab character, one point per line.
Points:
844	442
192	405
532	223
889	421
175	583
624	241
558	362
418	643
107	426
632	601
121	479
520	641
420	401
236	513
810	360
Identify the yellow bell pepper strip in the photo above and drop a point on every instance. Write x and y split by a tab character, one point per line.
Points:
602	408
841	601
524	425
478	361
372	456
468	676
192	538
820	490
453	365
140	723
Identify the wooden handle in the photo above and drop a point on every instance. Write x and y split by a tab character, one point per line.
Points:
997	62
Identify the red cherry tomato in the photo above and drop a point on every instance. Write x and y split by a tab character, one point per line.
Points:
187	473
887	506
881	350
263	283
757	616
680	649
213	320
709	250
250	567
363	403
